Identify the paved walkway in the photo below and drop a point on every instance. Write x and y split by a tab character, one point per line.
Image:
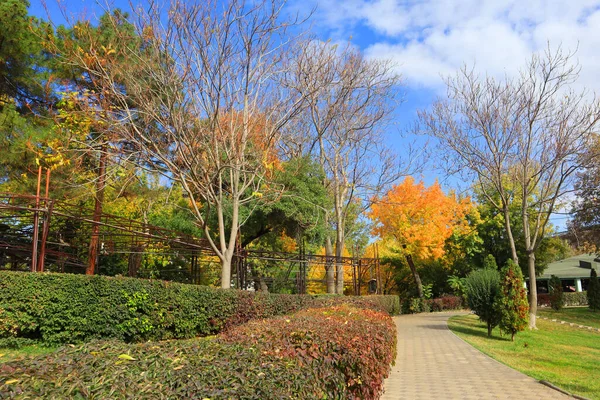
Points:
433	363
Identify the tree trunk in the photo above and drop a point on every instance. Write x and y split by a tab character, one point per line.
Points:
532	289
226	271
329	266
339	265
489	326
413	269
511	240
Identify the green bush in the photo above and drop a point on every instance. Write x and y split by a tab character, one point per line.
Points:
415	305
457	285
593	291
512	303
575	299
313	354
555	290
483	287
66	308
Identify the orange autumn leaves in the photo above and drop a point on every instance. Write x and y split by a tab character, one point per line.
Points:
418	217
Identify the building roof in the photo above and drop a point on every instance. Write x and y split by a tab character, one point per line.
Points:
572	267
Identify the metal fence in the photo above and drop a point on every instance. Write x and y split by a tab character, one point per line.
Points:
38	234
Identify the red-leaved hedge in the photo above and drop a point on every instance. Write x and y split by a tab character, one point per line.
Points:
351	349
341	352
445	303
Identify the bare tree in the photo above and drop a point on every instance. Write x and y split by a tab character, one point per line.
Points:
520	138
201	102
349	100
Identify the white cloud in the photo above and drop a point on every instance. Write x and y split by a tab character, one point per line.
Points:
429	38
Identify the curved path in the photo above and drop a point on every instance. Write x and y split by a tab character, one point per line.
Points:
433	363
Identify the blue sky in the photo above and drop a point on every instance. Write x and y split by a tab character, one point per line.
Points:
428	39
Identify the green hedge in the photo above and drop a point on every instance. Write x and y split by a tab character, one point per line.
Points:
575	299
313	354
66	308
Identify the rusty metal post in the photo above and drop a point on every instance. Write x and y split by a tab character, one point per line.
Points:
45	230
46	225
99	201
36	221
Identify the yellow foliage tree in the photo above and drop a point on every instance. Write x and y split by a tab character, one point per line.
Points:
417	220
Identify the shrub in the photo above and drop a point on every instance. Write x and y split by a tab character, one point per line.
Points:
543	300
555	290
575	299
389	303
337	341
593	292
570	299
512	303
343	352
458	286
66	308
483	287
451	303
415	305
445	303
489	262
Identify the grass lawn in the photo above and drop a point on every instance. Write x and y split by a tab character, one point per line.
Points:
577	315
24	352
566	356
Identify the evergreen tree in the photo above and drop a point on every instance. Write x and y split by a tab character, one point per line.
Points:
512	304
482	287
593	292
556	293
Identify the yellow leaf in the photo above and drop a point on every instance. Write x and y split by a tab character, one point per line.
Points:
10	382
126	357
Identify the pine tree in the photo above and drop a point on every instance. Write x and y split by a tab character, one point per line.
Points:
512	303
556	293
593	292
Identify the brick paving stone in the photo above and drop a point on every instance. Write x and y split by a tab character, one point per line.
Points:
433	363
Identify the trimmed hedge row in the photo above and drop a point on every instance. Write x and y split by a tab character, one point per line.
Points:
66	308
570	299
338	353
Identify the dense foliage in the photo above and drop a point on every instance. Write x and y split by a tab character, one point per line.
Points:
512	303
65	308
337	353
483	287
555	290
593	291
